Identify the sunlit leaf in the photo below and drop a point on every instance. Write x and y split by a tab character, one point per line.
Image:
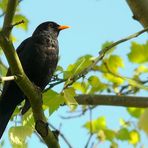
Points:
69	95
141	69
143	121
18	135
101	135
79	65
114	62
27	119
134	137
20	17
135	83
95	125
135	112
114	145
114	79
96	84
3	5
123	134
3	68
138	53
109	134
106	44
52	100
81	86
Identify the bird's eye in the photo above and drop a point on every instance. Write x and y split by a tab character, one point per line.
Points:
51	25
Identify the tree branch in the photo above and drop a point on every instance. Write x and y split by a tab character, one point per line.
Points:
61	134
101	56
140	10
32	93
112	100
10	12
8	78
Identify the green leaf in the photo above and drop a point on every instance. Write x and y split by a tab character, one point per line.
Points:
141	69
81	86
18	135
114	79
143	121
109	134
79	65
134	137
95	125
114	145
3	5
2	144
123	134
114	62
106	44
3	69
135	112
69	95
139	53
27	119
20	17
101	135
52	100
124	123
135	83
129	80
96	84
110	68
59	68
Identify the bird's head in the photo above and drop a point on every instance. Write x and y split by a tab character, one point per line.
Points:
49	28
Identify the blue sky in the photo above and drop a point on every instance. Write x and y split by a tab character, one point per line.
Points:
92	23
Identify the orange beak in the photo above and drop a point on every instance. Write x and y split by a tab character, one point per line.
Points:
63	27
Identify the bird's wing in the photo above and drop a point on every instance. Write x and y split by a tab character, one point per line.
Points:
21	47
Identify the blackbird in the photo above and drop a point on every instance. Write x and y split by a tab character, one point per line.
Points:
39	56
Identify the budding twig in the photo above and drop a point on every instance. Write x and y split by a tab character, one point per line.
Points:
17	23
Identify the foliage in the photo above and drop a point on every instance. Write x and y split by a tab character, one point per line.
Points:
105	77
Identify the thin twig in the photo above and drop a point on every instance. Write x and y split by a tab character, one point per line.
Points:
54	84
18	23
91	127
7	78
125	87
82	113
62	136
15	24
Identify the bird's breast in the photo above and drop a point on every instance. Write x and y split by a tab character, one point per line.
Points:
39	60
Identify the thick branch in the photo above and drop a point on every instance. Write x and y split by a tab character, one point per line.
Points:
112	100
23	82
140	10
10	11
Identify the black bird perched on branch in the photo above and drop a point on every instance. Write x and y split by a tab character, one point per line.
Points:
39	56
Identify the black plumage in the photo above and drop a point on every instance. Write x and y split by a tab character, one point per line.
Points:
39	56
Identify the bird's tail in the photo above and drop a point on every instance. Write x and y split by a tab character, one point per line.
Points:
5	116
